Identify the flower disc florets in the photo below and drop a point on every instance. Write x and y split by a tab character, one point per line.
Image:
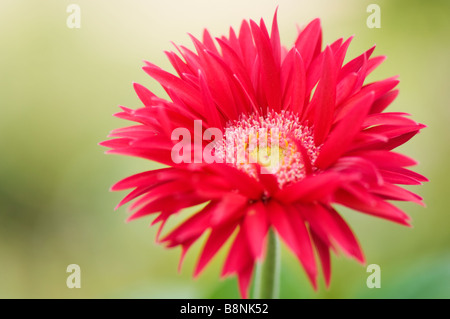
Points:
277	142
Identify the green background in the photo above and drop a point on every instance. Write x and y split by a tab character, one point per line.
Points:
59	88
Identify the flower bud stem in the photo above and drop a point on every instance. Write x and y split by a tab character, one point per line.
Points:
268	271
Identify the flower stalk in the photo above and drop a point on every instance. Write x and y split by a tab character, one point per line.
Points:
267	281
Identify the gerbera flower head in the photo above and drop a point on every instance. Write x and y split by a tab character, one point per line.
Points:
266	136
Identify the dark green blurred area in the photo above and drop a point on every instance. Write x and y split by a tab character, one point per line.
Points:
60	86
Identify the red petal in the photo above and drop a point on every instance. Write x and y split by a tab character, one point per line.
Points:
328	221
255	227
144	94
298	84
373	63
348	241
209	42
291	228
247	47
324	255
340	53
383	102
239	260
383	158
212	115
116	143
326	98
311	188
345	87
184	249
151	154
178	86
239	180
267	179
172	203
392	118
398	140
166	189
275	39
230	208
373	206
216	240
394	192
133	194
238	68
270	71
191	228
178	64
146	181
244	277
359	168
396	175
355	64
380	88
342	135
308	40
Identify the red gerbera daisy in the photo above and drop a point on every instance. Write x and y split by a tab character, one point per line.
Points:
332	139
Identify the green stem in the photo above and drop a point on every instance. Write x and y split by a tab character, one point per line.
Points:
268	272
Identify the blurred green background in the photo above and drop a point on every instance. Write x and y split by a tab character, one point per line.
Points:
59	88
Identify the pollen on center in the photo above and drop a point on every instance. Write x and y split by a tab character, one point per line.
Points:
277	142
